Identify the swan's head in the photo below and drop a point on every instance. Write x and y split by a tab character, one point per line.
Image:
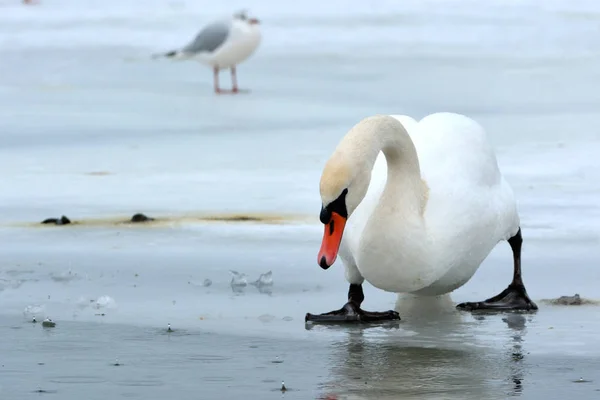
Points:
344	183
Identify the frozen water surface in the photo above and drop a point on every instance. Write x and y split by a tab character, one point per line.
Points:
91	127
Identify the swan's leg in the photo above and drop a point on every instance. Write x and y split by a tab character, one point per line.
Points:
351	312
514	297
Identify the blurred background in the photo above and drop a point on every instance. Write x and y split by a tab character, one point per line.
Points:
80	95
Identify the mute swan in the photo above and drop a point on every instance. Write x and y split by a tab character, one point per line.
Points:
223	44
415	207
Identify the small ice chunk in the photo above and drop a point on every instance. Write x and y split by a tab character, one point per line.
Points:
238	279
48	323
265	279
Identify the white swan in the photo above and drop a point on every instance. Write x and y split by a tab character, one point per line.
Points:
415	207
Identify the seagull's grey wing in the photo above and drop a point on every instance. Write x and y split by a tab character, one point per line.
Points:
210	38
242	14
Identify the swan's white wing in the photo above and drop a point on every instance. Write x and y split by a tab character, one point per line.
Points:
471	207
459	164
454	147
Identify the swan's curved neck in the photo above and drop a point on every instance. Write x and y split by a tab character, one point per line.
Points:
404	185
404	191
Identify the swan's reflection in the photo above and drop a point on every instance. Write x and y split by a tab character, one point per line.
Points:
453	359
517	323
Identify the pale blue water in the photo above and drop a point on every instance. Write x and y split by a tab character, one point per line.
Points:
79	94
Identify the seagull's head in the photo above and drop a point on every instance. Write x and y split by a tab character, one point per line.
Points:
243	15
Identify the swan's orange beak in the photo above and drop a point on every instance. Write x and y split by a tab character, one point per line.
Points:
332	237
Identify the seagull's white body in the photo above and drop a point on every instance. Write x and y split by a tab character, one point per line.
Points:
223	45
242	42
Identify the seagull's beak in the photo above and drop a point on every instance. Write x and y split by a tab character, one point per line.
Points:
332	237
253	21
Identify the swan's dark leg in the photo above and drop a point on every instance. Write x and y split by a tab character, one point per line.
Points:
351	312
514	297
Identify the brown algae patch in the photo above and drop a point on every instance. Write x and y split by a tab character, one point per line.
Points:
253	218
574	300
245	218
158	221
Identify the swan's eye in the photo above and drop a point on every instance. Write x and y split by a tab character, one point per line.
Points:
325	215
337	206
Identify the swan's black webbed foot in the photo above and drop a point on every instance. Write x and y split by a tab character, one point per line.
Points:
513	298
351	312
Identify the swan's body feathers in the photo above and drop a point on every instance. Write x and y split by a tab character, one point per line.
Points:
468	209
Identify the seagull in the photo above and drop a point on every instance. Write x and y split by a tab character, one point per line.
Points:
223	44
